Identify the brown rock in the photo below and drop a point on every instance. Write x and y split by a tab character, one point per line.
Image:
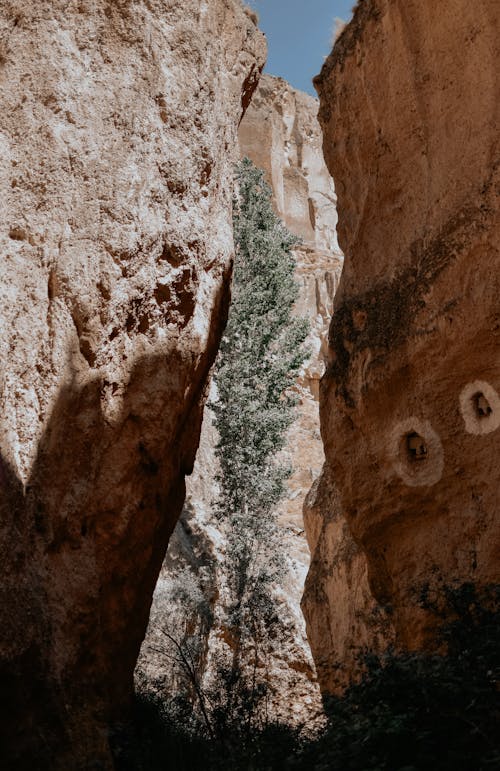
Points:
344	621
409	405
117	139
281	135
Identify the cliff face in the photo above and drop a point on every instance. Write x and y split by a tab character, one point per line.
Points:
409	405
279	133
343	618
117	136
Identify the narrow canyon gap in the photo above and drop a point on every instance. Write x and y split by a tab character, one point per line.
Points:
281	135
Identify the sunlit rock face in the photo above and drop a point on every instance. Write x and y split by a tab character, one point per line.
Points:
117	141
280	133
409	404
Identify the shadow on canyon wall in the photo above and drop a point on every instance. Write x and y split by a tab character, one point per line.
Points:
82	543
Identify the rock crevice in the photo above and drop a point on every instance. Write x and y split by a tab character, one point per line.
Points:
280	134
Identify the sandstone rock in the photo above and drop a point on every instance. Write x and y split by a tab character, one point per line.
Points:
280	134
344	619
409	405
117	139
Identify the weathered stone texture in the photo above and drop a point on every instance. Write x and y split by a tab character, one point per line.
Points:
410	112
117	138
343	619
281	135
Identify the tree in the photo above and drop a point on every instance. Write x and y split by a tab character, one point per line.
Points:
227	625
260	357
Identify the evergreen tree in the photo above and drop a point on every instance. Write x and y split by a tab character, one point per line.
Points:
261	352
260	357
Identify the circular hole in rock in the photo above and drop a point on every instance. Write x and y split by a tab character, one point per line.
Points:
480	408
417	452
416	447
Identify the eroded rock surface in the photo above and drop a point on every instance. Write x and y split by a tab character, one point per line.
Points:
409	404
280	133
344	621
117	138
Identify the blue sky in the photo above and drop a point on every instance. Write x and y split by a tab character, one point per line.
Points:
299	35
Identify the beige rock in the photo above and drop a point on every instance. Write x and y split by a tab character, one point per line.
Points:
344	621
117	138
409	108
279	133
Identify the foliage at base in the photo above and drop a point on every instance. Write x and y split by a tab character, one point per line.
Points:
421	712
411	712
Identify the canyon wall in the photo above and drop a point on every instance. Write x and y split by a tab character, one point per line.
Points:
410	405
117	140
280	134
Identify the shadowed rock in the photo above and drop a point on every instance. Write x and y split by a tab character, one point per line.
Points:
117	139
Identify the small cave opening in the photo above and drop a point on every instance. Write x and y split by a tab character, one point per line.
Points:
416	447
417	452
482	407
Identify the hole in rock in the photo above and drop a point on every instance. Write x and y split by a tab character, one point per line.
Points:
17	234
172	254
416	447
481	405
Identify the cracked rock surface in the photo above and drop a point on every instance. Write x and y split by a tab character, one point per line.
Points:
409	403
118	130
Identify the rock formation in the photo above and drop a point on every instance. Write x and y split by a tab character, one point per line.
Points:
280	133
409	404
344	621
117	140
